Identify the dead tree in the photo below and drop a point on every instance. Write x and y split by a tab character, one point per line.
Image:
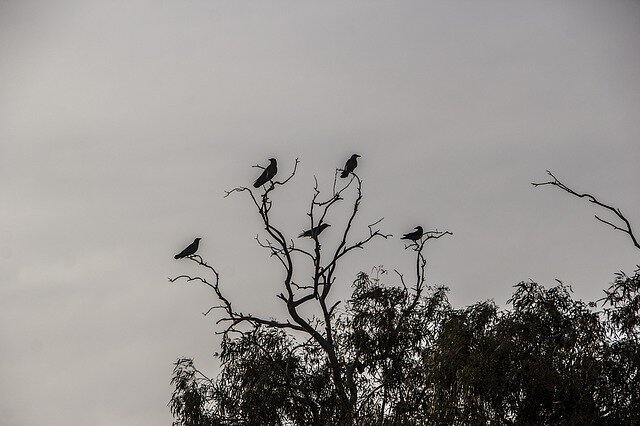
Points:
315	292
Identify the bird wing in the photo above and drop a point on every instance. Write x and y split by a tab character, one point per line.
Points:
267	174
264	177
306	233
351	164
189	250
315	231
272	169
347	169
411	236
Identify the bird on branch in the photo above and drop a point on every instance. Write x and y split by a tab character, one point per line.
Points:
314	232
415	235
350	166
191	249
267	174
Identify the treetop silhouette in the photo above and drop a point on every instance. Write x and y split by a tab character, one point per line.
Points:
400	353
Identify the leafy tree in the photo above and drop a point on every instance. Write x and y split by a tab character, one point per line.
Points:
401	354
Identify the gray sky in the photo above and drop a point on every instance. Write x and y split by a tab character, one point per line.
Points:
122	123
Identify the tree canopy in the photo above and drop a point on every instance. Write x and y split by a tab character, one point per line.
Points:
402	354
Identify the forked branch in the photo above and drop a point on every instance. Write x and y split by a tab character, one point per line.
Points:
233	317
625	226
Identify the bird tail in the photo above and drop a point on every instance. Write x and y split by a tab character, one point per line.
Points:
344	174
177	256
256	184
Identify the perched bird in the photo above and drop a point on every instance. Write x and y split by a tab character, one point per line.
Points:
350	166
314	232
191	249
267	174
415	235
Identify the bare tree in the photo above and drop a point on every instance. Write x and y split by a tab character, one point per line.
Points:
316	292
401	354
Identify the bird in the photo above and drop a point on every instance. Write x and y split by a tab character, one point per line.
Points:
350	166
191	249
314	232
267	174
413	236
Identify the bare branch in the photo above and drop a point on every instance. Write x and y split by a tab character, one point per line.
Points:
275	251
401	279
302	287
609	223
243	189
626	227
232	316
360	244
211	309
333	307
421	263
293	172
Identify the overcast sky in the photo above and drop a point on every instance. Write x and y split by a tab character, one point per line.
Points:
123	122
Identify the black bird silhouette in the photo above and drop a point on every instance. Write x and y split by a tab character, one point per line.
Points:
191	249
350	166
267	174
314	232
415	235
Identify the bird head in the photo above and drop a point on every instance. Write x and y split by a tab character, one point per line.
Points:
325	225
419	228
272	160
197	239
356	156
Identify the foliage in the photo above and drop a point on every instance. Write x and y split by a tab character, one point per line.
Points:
403	355
549	359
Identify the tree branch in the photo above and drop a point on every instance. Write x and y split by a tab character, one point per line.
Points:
626	227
